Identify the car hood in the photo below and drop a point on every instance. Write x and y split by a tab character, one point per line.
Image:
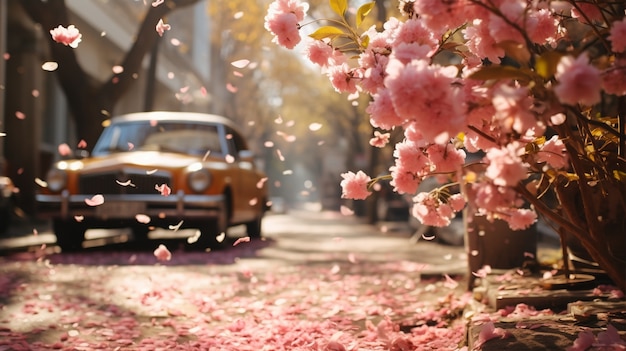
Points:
147	159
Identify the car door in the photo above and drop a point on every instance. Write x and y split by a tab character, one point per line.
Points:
246	195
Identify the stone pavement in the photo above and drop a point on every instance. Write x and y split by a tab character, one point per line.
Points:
531	315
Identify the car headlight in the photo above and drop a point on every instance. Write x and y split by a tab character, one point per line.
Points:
199	180
56	180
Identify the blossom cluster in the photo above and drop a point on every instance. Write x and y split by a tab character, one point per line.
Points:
504	81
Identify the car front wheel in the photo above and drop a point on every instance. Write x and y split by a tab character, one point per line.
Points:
70	234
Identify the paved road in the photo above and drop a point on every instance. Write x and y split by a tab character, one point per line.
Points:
318	280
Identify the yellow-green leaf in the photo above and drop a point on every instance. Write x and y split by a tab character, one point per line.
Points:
619	175
326	32
365	41
545	65
339	6
363	11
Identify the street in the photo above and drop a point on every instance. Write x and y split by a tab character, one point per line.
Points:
318	281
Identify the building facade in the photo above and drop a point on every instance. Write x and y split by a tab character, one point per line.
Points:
34	116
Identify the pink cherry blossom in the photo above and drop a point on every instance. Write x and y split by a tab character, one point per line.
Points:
426	95
618	36
506	167
355	185
69	36
282	21
381	111
380	139
342	78
553	152
162	253
403	179
521	218
578	81
614	79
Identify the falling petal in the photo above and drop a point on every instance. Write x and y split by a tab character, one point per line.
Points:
196	235
244	239
237	74
152	171
280	155
79	218
352	258
428	237
50	66
82	144
346	211
156	3
261	183
64	149
253	201
335	269
220	238
238	15
164	189
162	253
229	159
35	93
126	183
117	69
96	200
231	88
41	183
206	155
240	63
278	120
142	218
131	146
20	115
287	172
175	42
176	227
268	144
315	127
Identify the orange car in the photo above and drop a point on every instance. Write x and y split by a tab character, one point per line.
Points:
158	169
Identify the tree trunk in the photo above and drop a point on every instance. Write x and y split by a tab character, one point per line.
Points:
91	102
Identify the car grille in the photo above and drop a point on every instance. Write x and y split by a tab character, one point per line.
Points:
107	183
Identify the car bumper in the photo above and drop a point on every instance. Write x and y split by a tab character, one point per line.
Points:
181	205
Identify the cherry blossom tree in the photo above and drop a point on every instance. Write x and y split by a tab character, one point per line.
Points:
535	91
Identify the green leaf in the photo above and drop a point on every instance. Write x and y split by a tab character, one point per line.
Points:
499	72
339	6
326	32
363	11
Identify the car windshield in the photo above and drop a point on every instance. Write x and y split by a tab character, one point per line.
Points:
169	136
